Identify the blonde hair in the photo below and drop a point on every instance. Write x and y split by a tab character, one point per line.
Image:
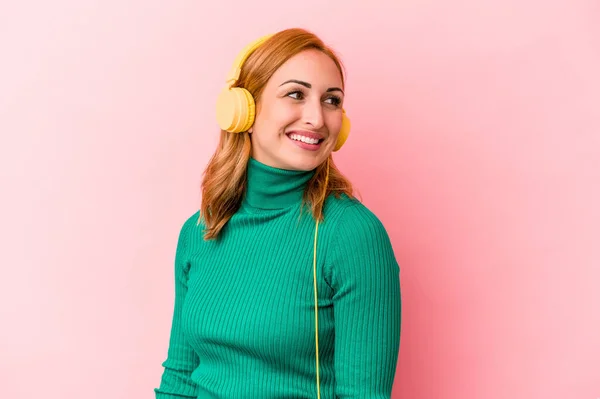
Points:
224	182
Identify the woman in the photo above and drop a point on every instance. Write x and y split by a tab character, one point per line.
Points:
286	285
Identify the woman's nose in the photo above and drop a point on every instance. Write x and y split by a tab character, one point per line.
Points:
313	114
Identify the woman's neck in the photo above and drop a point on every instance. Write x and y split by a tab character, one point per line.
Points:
273	188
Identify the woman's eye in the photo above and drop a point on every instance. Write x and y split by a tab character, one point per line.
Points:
295	95
335	100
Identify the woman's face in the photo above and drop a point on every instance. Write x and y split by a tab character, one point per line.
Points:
299	113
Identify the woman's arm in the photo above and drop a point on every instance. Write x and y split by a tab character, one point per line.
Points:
181	359
364	274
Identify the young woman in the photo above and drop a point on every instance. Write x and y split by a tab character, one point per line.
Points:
286	286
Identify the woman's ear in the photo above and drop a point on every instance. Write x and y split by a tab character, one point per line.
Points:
250	130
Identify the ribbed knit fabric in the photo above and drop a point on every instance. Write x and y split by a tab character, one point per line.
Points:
243	323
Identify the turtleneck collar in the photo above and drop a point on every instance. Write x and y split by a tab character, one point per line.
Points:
273	188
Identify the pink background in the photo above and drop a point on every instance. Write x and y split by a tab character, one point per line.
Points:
480	120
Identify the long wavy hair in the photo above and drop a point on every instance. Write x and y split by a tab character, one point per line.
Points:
224	181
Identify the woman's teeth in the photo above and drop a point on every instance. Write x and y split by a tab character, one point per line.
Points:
304	139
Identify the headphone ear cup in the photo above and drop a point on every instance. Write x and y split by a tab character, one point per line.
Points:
235	110
344	132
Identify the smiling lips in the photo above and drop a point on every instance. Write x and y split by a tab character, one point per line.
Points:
306	140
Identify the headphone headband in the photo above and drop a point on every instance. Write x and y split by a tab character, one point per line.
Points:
234	73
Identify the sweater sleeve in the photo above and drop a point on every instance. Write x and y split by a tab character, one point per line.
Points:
365	277
176	382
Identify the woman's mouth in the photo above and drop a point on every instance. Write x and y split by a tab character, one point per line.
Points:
305	142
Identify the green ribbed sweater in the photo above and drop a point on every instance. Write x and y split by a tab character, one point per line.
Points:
243	323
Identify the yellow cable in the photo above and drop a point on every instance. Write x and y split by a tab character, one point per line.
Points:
316	309
315	283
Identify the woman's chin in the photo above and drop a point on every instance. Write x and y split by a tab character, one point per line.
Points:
303	161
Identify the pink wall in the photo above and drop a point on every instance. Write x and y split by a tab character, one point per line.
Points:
482	120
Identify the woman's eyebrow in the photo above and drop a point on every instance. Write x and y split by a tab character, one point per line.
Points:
308	85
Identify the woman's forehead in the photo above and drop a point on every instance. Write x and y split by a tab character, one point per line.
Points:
311	66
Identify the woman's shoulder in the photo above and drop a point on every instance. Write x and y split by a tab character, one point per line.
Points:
351	218
359	243
193	221
191	227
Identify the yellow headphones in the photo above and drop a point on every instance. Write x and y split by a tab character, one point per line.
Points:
235	105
